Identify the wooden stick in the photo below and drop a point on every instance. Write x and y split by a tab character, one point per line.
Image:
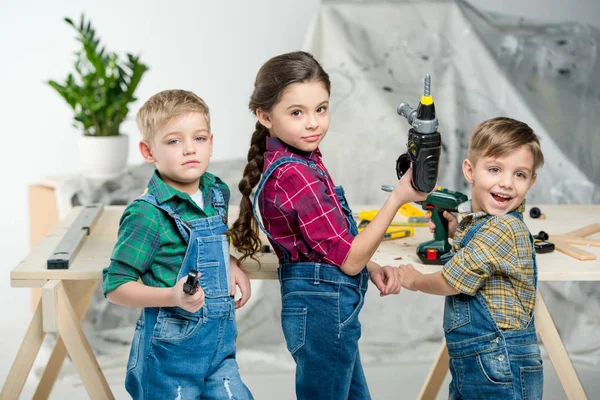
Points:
557	352
585	231
573	251
80	351
436	375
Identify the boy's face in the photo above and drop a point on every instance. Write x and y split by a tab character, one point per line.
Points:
499	185
301	116
181	150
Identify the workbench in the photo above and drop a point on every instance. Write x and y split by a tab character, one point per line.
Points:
66	295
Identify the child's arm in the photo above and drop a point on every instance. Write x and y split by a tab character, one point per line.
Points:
366	243
385	278
240	279
135	294
426	283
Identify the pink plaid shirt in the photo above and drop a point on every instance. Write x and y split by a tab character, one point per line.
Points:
300	210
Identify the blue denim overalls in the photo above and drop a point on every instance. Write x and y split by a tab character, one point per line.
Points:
176	354
485	361
319	316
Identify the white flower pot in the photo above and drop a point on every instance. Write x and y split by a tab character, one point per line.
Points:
103	157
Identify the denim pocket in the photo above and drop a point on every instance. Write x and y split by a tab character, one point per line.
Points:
495	367
456	312
175	324
293	323
532	382
134	353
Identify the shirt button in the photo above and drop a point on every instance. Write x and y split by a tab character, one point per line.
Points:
501	357
224	220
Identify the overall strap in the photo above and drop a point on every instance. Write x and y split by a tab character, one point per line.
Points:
266	175
218	200
183	227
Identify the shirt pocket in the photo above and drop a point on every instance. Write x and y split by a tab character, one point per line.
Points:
456	312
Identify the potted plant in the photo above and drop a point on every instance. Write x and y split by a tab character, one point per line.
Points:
99	90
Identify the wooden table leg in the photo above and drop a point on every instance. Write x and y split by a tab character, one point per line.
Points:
436	375
80	294
79	349
26	355
556	351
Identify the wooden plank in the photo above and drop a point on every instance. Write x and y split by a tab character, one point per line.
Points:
79	349
573	251
436	375
575	240
30	347
80	294
43	217
49	305
29	283
585	231
556	351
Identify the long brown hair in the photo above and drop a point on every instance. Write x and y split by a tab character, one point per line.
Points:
271	81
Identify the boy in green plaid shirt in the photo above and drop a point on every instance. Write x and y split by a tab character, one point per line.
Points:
184	343
490	276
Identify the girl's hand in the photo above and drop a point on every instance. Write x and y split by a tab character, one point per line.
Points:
240	279
386	279
408	274
404	191
452	224
189	302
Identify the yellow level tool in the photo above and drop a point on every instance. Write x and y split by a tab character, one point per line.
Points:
391	232
415	216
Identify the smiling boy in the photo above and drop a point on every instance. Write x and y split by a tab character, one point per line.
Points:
490	276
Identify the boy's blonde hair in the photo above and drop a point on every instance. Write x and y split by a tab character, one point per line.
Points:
497	137
166	105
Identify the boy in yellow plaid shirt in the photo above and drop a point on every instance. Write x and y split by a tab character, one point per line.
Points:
490	276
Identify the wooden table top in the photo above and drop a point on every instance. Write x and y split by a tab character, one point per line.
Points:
95	253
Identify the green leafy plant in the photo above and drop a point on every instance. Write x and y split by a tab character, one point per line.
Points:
102	86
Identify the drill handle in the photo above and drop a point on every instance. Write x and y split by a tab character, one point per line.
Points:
441	225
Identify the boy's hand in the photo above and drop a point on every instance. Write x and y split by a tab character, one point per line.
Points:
239	278
386	279
404	191
452	223
408	274
189	302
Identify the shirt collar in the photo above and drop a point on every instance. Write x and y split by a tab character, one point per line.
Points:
274	144
163	192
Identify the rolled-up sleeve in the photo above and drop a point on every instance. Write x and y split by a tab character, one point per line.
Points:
304	193
488	252
137	245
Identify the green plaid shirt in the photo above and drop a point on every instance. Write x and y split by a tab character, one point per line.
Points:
498	261
149	245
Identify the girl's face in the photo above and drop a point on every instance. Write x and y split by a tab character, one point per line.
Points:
301	117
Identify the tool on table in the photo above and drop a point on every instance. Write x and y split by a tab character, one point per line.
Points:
437	202
540	243
424	143
391	232
71	242
191	284
564	243
535	212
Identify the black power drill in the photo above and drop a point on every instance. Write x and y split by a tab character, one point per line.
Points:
424	142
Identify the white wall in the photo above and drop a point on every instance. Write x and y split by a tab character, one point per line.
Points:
211	47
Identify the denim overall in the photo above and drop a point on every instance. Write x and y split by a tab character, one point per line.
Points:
319	316
485	361
176	354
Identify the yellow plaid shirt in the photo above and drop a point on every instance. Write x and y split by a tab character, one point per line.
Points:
498	261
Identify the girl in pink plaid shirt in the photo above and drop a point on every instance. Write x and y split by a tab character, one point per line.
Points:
324	262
